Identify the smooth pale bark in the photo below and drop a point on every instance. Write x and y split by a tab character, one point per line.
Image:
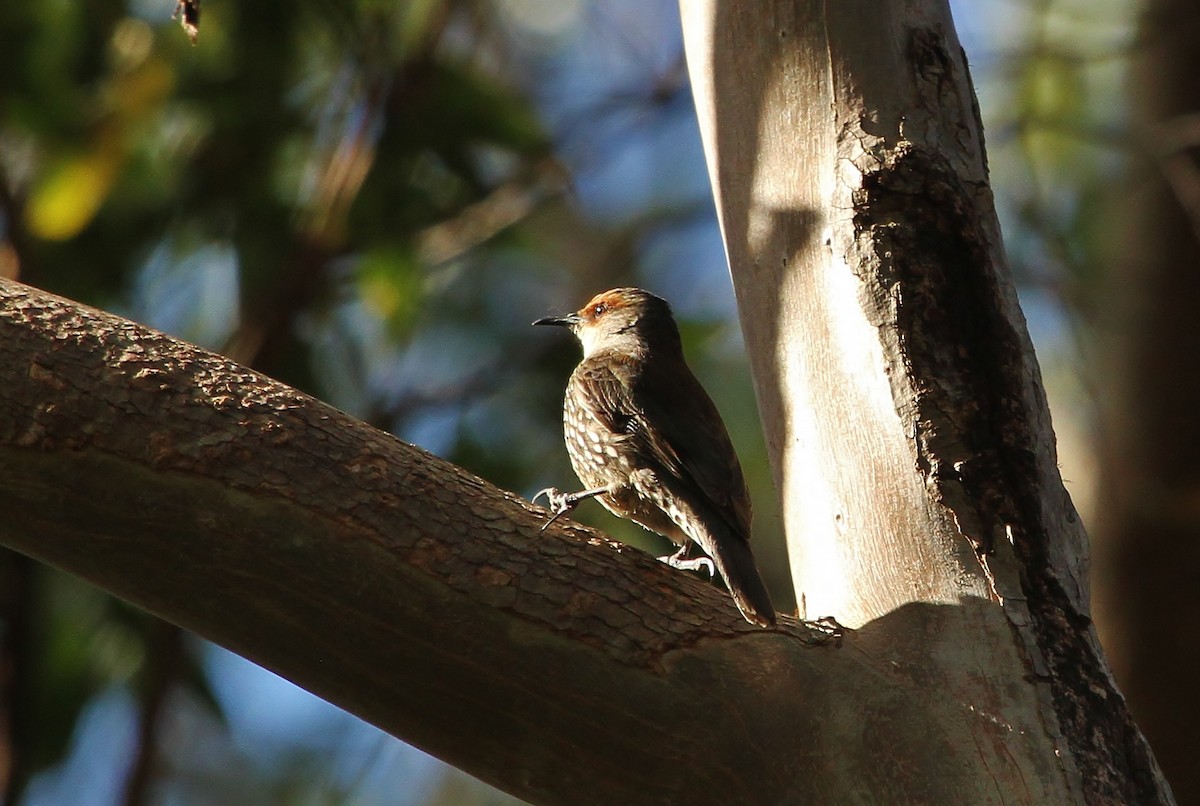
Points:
902	403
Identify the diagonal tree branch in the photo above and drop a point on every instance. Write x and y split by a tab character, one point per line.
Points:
369	571
559	666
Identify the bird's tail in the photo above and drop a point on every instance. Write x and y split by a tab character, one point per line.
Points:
735	562
725	544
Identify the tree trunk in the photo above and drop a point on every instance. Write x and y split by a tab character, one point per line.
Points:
902	402
909	437
558	666
1148	533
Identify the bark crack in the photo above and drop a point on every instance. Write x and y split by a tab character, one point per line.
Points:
962	369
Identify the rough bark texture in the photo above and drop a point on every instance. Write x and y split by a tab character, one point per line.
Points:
902	402
558	666
1148	523
908	431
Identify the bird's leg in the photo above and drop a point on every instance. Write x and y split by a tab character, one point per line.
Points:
681	560
561	503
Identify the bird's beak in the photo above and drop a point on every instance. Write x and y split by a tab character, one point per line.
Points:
566	320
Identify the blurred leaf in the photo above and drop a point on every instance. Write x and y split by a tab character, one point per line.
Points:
391	283
1053	100
1051	88
67	673
417	18
67	196
478	108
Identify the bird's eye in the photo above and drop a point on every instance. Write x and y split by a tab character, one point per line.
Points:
599	308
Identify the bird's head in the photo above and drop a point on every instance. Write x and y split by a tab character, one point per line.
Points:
626	320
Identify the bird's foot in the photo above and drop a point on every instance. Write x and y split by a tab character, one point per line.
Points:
561	503
681	561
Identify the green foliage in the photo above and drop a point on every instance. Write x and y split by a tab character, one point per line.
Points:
361	199
1058	140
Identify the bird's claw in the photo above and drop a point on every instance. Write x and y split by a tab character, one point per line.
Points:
561	503
555	498
558	502
685	564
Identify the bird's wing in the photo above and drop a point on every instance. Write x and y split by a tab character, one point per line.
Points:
671	422
689	428
670	426
606	395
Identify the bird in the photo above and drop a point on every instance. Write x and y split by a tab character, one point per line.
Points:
647	441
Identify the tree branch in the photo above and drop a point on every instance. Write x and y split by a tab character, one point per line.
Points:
559	666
